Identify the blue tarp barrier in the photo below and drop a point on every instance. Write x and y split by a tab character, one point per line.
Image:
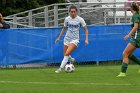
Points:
3	47
37	45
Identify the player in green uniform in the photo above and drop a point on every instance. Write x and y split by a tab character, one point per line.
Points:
134	41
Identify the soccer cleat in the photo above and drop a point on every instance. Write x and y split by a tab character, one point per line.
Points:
71	60
121	74
58	71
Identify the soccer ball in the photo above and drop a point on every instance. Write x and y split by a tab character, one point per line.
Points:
69	68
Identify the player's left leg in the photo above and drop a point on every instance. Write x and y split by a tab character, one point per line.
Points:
70	49
76	43
71	59
135	59
138	43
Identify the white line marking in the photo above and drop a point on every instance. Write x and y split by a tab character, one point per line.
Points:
50	83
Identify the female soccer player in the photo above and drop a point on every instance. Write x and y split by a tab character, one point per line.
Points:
71	40
134	41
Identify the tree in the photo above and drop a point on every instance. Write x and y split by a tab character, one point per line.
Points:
8	7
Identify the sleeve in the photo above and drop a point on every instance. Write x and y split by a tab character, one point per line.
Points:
83	23
137	19
5	25
65	22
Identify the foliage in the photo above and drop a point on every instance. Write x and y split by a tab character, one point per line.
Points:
8	7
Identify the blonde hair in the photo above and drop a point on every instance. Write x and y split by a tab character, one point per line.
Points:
1	18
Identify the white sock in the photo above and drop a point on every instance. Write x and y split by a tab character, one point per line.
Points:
64	61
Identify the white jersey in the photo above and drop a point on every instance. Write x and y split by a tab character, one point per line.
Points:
73	26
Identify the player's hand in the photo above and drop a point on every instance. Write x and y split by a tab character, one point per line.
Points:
86	42
1	25
57	40
126	37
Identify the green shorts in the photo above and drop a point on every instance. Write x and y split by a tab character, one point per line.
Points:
135	42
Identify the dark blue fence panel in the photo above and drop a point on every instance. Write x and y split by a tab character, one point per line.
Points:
37	45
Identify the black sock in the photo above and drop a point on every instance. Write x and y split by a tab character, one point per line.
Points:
124	67
135	59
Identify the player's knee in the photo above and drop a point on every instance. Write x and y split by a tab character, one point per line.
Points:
67	54
125	54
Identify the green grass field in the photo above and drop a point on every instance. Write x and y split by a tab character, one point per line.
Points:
86	79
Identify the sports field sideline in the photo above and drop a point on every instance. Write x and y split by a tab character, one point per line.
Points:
85	79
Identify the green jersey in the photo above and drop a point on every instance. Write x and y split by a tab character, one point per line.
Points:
136	19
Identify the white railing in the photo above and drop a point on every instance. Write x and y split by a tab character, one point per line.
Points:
54	15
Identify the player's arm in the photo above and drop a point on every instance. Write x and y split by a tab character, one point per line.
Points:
85	29
86	33
134	29
63	30
61	33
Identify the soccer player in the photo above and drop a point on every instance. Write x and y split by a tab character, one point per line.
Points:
3	25
71	40
134	41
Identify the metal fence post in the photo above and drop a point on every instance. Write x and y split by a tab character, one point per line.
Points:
97	63
30	18
105	17
46	16
15	21
125	12
114	14
78	7
56	16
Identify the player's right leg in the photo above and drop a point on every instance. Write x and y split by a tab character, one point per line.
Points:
121	74
127	52
64	61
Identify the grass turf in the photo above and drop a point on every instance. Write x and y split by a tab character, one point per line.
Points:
86	79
